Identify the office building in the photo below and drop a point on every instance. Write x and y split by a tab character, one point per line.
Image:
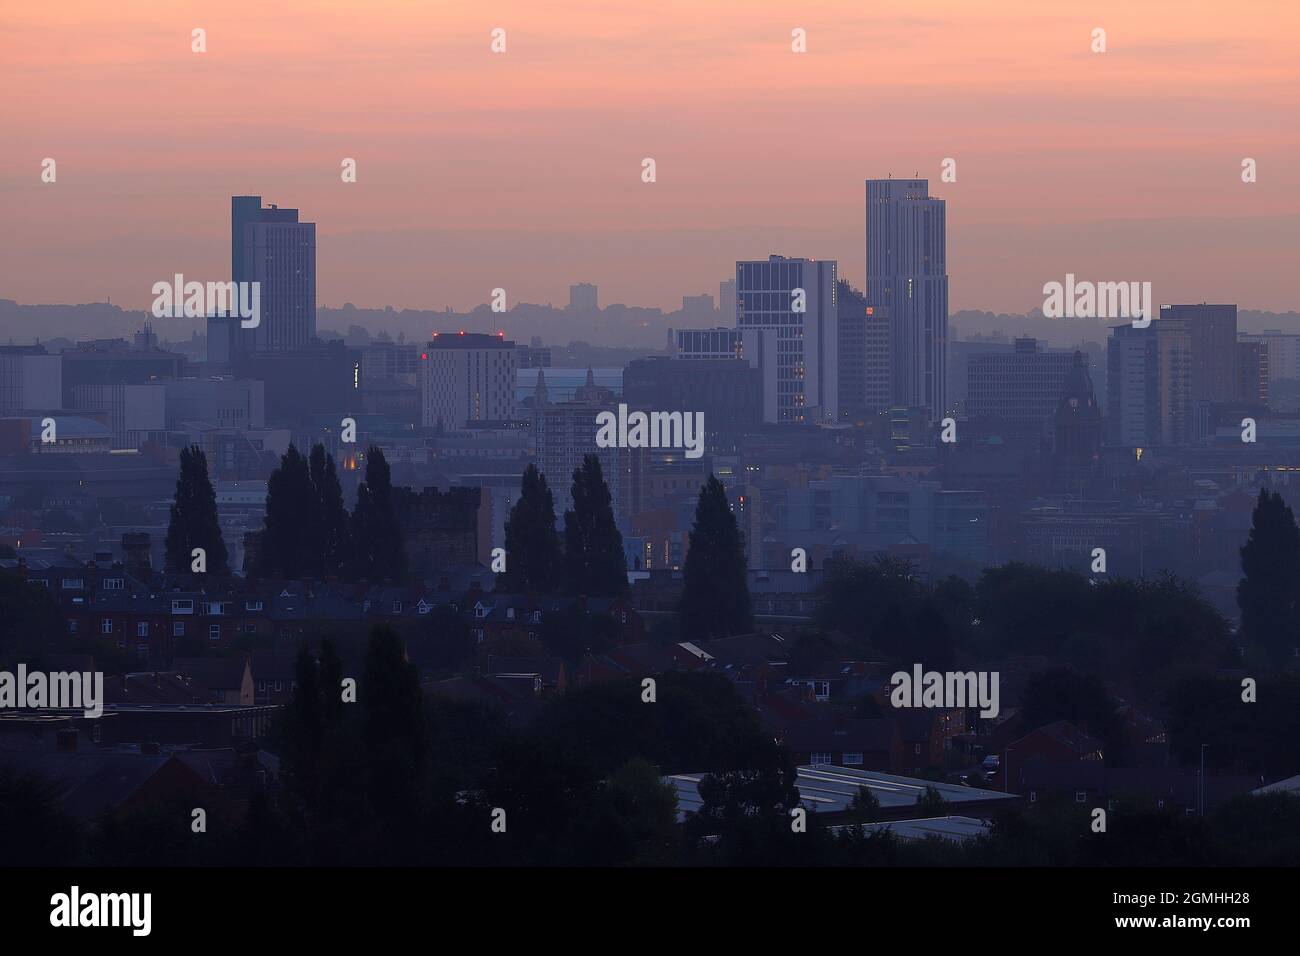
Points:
907	275
468	377
269	246
1212	331
791	304
1148	385
1017	390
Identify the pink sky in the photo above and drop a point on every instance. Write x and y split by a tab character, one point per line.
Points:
522	170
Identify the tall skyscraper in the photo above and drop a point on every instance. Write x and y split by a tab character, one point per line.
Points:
271	247
907	275
790	304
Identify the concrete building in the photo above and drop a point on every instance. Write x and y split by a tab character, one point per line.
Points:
468	377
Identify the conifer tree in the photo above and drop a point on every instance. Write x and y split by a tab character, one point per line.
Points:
715	598
594	563
1270	588
194	521
533	560
287	541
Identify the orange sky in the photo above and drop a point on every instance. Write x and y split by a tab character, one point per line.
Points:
522	170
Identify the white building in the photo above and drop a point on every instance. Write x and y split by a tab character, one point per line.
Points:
791	303
468	377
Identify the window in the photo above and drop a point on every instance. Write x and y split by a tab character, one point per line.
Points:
214	632
1033	796
72	584
106	626
853	759
397	607
252	605
916	749
1081	796
178	629
72	627
142	629
820	758
112	584
180	606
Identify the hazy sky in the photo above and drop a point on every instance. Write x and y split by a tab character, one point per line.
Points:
523	169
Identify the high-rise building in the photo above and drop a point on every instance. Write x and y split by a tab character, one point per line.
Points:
1148	385
468	377
1213	334
791	303
907	275
271	247
582	298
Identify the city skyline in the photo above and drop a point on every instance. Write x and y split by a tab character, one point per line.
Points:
447	206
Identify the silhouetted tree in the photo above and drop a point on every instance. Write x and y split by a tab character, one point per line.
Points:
194	518
329	527
533	560
594	562
715	598
1270	563
290	506
378	549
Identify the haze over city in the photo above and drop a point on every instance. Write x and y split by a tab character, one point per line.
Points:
523	171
